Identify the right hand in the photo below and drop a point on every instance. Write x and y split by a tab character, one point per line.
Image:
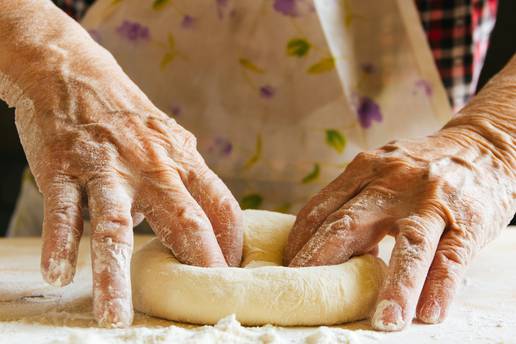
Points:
91	135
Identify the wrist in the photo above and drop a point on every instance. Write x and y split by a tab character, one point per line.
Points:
489	119
487	143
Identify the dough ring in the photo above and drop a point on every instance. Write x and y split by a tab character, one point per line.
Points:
263	292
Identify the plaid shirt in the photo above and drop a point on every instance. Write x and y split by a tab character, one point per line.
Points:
457	30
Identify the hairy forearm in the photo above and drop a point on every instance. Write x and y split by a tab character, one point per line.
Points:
490	117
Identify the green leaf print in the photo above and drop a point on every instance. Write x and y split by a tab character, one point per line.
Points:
252	201
336	140
283	208
298	47
348	14
325	65
166	60
313	175
257	153
159	4
250	66
171	41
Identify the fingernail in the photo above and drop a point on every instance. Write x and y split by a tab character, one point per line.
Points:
388	316
59	272
430	313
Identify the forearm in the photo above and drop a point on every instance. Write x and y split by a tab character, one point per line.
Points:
490	117
45	54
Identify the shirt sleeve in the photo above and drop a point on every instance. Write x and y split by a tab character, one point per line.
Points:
74	8
458	34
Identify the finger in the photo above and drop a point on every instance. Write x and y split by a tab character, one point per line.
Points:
111	249
62	230
179	222
316	211
221	208
450	261
356	228
415	246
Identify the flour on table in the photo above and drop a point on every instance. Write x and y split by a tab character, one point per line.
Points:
227	330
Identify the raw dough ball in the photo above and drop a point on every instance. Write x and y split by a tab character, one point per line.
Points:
263	292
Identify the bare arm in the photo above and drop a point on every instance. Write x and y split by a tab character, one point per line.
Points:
90	133
443	197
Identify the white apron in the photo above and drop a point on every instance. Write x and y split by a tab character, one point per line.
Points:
281	94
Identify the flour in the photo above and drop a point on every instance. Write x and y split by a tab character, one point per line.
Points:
33	312
227	330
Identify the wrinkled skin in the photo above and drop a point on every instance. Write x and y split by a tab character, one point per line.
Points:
93	138
127	164
442	197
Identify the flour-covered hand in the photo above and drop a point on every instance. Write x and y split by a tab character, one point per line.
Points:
92	137
442	197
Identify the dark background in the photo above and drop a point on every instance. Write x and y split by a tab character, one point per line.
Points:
12	158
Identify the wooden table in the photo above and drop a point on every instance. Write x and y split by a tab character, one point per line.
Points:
484	311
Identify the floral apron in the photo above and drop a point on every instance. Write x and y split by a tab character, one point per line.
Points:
281	94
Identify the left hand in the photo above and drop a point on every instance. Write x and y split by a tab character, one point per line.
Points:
442	197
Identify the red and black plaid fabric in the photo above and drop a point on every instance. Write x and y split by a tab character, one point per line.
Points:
74	8
458	32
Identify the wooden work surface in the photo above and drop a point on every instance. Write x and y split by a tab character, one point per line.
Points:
484	311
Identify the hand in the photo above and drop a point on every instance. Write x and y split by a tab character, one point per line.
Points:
91	135
128	160
442	198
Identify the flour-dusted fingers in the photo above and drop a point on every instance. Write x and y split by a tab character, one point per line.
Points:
62	230
416	241
221	208
110	205
354	229
178	220
327	201
453	254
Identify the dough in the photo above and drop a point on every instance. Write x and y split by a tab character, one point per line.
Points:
263	291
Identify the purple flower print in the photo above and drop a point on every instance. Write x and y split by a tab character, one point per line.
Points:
286	7
133	31
175	110
267	91
368	68
95	35
368	111
187	22
221	5
424	86
221	146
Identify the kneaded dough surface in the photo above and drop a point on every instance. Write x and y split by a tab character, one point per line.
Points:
262	291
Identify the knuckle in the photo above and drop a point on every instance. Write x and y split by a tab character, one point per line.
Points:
364	157
447	268
341	224
201	173
453	251
187	139
450	257
112	226
414	236
412	226
63	210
